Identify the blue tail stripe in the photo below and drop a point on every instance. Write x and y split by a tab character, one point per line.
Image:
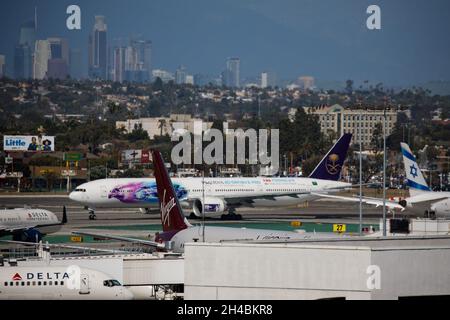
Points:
408	155
416	185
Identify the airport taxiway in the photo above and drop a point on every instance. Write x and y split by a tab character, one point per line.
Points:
133	223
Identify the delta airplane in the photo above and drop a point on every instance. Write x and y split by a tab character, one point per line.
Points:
178	230
59	283
29	225
422	201
219	194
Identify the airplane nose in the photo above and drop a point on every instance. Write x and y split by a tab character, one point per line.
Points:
73	196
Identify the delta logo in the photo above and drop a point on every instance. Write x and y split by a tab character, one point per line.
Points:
17	277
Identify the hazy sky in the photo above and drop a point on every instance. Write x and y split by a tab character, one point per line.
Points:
327	39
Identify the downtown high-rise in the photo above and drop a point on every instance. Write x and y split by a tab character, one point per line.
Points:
98	54
24	50
231	75
133	62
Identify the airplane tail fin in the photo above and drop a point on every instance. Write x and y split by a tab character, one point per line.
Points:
64	217
172	217
416	181
331	165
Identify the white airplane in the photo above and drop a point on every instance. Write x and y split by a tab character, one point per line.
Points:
219	194
422	200
178	231
59	283
29	225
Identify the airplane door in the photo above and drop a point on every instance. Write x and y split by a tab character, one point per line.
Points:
103	191
84	284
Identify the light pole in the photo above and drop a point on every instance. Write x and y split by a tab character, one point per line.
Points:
384	173
360	176
203	205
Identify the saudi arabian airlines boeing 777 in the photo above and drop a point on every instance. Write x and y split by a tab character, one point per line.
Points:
219	194
178	231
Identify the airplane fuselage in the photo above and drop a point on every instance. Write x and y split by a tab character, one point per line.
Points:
21	218
142	193
53	283
221	234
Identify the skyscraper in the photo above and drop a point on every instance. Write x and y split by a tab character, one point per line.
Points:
264	80
27	34
143	56
58	64
57	69
180	75
268	79
42	54
23	52
119	64
2	65
98	50
22	62
306	82
232	73
75	69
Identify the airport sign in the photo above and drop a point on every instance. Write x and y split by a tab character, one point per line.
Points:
339	227
72	156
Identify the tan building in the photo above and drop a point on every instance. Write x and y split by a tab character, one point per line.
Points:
162	125
339	120
306	82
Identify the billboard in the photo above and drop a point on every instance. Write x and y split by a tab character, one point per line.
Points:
35	143
136	156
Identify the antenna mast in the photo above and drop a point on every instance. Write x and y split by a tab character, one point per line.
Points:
35	18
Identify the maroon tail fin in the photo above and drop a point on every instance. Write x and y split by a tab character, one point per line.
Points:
172	218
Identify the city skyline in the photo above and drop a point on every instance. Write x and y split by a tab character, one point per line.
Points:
405	51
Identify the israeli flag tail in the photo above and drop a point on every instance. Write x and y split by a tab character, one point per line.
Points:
416	181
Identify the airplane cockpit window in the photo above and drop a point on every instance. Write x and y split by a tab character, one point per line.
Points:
111	283
79	190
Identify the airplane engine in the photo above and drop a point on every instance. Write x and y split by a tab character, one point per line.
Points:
31	235
441	208
403	203
146	210
211	205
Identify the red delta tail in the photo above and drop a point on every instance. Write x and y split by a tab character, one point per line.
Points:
172	218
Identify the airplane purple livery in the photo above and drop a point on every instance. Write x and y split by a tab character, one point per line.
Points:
222	194
178	231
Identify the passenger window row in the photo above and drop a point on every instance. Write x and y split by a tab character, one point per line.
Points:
33	283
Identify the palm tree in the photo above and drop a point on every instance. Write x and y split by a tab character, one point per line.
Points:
161	126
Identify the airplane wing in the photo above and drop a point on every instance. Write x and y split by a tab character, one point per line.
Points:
16	228
293	194
126	239
367	200
20	227
428	197
54	245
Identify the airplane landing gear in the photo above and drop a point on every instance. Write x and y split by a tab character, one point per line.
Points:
231	215
92	215
430	214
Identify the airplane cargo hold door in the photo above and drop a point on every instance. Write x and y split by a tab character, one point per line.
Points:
84	284
103	191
